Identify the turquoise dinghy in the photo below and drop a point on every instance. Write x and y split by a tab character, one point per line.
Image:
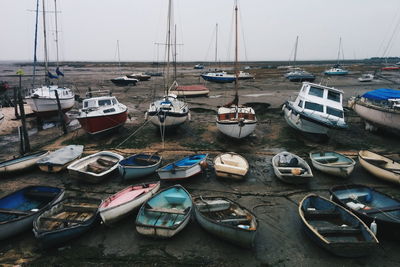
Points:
138	165
333	163
184	168
166	213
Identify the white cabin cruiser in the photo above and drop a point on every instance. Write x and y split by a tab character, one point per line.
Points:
316	109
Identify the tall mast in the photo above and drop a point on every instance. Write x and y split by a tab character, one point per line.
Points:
35	46
216	44
46	66
168	44
295	51
55	16
338	54
119	59
175	53
236	52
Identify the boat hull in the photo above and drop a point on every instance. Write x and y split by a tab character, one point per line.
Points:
236	129
302	124
184	168
217	79
100	124
231	166
110	215
47	107
343	169
128	171
378	171
21	163
286	175
167	119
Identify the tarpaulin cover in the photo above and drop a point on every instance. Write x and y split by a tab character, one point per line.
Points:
382	94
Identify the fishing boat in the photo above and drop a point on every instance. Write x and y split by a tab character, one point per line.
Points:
218	77
19	209
290	168
231	165
380	166
168	111
332	163
43	100
335	228
121	204
58	160
297	74
226	219
375	208
94	168
366	78
234	120
316	109
65	220
124	81
102	114
139	76
138	165
379	108
190	90
184	168
166	213
21	163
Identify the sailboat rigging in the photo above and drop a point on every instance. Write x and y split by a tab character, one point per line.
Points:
43	100
337	69
297	74
168	111
233	119
123	79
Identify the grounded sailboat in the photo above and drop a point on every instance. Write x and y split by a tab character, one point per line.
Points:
233	119
297	74
43	100
168	111
337	70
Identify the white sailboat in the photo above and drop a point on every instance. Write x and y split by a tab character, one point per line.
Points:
337	70
233	119
43	100
168	111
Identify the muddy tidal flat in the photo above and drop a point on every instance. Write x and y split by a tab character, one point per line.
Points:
280	240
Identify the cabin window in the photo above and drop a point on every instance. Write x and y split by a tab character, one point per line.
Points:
316	91
335	112
106	102
89	104
300	103
314	106
109	110
114	101
334	96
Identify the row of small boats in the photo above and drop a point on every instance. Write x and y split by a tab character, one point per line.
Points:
162	214
291	168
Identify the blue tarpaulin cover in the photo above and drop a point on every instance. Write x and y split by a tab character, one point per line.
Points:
382	94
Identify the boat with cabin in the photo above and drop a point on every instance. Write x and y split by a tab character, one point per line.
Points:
368	77
139	76
336	70
218	77
19	209
124	81
102	114
316	109
379	108
377	209
335	228
226	219
332	163
297	74
166	213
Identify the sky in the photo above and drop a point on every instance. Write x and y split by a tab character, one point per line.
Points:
89	29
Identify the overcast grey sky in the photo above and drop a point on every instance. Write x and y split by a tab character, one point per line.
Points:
90	29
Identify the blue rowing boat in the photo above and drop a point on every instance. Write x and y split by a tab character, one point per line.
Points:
335	228
19	209
166	213
183	168
138	165
371	205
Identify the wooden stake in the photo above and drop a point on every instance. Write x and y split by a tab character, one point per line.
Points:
60	114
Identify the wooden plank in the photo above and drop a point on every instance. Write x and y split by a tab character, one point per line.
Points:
165	210
52	219
16	212
315	214
79	209
236	220
338	230
379	210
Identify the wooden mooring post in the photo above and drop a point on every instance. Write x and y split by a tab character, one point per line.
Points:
60	114
25	147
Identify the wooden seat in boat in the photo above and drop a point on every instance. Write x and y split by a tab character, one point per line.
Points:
166	210
326	159
315	214
338	230
383	209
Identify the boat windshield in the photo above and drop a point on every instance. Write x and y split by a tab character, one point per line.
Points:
105	102
334	96
314	106
316	91
89	103
335	112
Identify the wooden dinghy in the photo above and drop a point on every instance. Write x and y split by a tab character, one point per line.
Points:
380	166
125	201
65	220
19	209
58	160
165	214
21	163
370	204
231	165
333	163
290	168
226	219
335	228
138	165
94	168
183	168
